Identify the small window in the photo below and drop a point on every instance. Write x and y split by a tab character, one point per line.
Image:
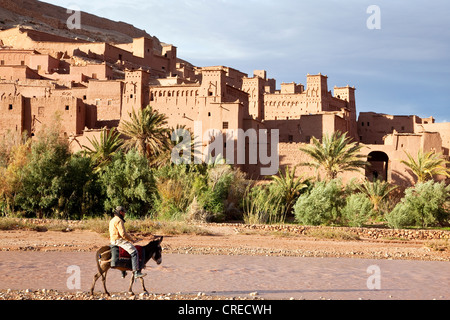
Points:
94	76
10	107
209	114
362	124
109	102
67	108
84	97
368	124
225	125
2	62
131	96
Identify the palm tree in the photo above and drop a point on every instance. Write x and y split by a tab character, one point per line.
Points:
427	165
147	132
377	191
288	188
335	154
103	151
176	140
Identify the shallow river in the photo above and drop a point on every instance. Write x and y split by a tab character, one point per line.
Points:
270	277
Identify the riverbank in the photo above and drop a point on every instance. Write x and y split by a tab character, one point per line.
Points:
219	239
241	239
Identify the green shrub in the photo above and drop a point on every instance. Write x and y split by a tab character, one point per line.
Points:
128	181
322	205
424	205
261	205
43	177
176	186
357	210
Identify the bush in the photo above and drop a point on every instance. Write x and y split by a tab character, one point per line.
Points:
43	176
262	205
175	190
357	210
128	181
322	205
424	205
81	194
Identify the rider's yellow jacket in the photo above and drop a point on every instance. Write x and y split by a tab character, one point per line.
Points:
117	230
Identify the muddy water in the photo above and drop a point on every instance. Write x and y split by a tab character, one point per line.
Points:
271	277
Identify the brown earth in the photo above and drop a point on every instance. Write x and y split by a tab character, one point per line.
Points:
221	240
236	240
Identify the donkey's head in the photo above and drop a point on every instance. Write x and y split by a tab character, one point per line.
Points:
155	250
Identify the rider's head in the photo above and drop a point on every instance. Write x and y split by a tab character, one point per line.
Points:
121	210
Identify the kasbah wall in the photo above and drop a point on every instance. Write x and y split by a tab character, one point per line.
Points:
91	86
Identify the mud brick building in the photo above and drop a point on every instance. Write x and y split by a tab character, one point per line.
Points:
89	86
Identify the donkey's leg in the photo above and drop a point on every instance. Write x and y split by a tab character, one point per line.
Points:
104	281
143	286
95	280
130	289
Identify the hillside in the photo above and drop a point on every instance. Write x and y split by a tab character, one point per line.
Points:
49	18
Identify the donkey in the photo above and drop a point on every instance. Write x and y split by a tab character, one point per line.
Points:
103	256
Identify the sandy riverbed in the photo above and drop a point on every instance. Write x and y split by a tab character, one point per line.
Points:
223	240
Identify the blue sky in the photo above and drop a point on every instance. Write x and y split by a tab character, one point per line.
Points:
402	68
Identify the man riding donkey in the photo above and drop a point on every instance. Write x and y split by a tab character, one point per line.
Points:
119	237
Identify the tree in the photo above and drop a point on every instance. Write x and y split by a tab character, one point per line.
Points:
322	205
357	210
128	181
425	204
181	147
377	191
43	175
81	192
104	150
147	132
12	174
427	165
334	155
288	188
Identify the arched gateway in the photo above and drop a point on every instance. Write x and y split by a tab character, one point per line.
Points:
378	168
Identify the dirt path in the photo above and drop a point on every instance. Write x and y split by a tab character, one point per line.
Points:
231	241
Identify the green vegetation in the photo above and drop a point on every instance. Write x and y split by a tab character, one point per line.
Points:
427	165
131	167
335	154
